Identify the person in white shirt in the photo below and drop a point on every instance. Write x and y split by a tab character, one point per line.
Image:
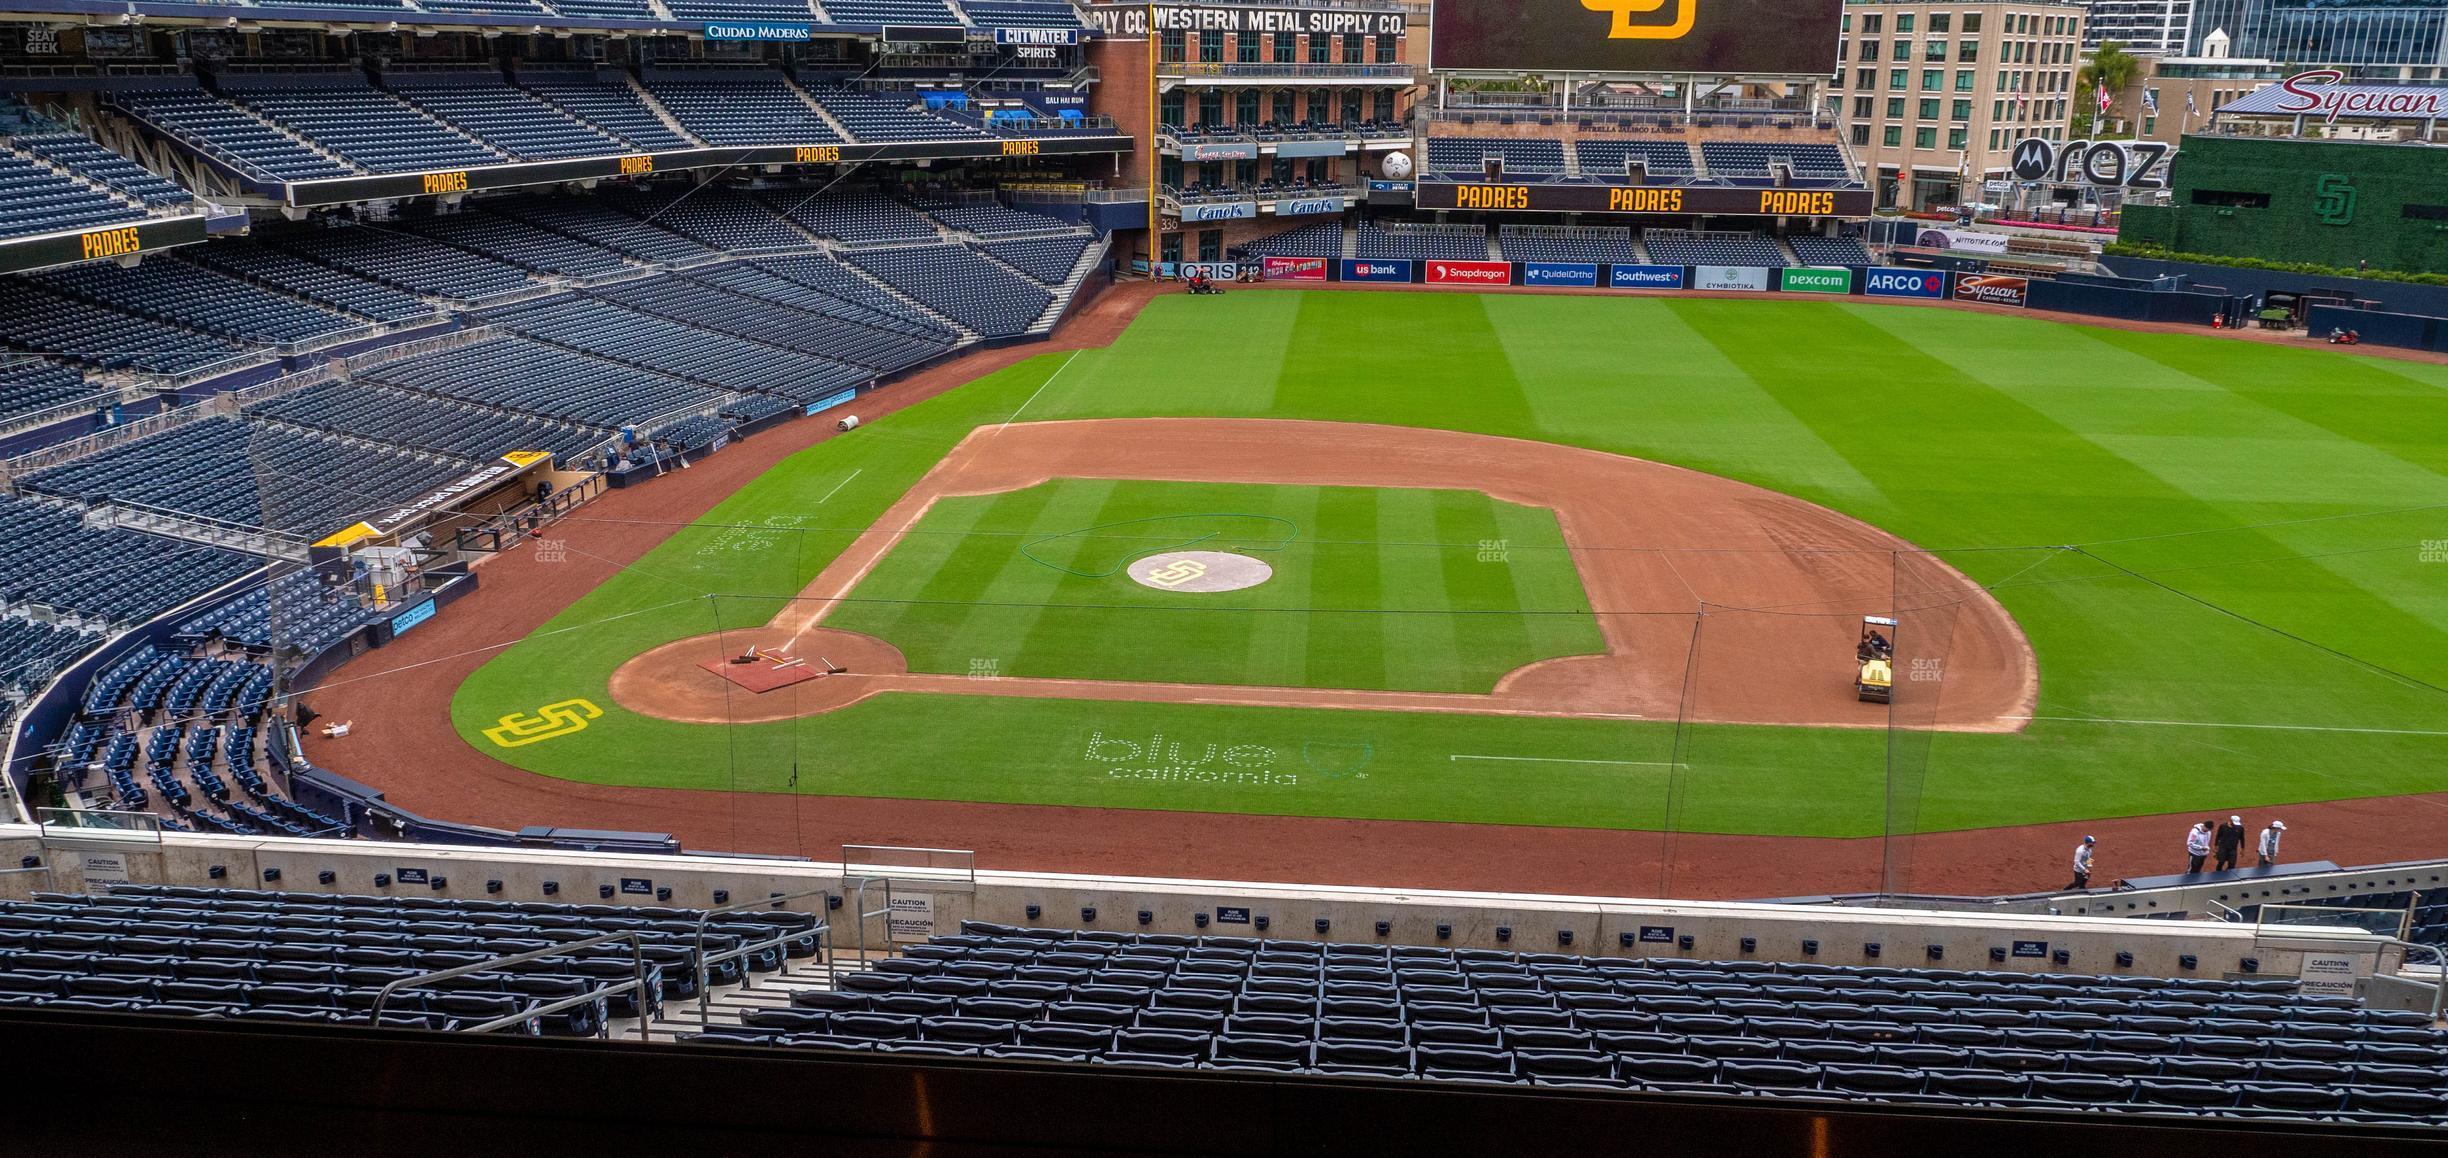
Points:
2269	842
2197	845
2082	863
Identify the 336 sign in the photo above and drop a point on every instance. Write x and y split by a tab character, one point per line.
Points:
2122	164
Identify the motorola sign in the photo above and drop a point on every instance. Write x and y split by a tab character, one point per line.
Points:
2119	164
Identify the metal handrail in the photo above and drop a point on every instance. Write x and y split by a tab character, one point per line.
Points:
637	943
823	931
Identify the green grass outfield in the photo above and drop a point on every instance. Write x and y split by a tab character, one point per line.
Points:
2250	621
1373	588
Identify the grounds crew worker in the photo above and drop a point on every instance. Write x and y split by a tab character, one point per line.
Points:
2230	842
2082	863
2269	842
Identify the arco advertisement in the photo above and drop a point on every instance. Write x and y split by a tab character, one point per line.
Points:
1891	282
1470	273
1990	289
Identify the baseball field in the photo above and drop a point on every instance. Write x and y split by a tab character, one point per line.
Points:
1570	562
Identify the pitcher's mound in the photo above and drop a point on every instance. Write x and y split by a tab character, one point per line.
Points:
1199	571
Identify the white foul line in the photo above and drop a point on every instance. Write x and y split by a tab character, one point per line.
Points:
838	486
1565	760
1058	372
2244	727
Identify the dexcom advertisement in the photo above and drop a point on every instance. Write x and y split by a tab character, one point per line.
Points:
1716	37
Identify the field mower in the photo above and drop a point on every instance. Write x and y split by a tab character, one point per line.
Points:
1876	654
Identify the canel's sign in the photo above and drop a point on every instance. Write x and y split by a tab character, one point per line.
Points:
2319	93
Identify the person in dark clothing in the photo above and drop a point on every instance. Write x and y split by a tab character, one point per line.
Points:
2230	842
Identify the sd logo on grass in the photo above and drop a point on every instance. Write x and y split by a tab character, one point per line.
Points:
1686	13
550	722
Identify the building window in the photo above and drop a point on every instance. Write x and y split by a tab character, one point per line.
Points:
1971	22
1933	79
1895	108
1385	105
1904	21
1898	78
1245	47
1870	23
1286	50
1955	138
2150	125
1934	50
1169	109
1968	52
1929	108
1389	50
1245	107
1211	245
1319	49
1894	136
1283	107
1354	51
1169	47
1864	107
1865	78
1861	134
1961	111
1902	50
1211	48
1925	137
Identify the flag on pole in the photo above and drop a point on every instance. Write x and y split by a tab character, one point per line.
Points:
2191	109
2150	101
2103	97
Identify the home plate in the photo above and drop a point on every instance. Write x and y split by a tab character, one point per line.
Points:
767	671
1199	571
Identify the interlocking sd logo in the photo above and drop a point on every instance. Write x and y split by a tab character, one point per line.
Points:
1686	13
550	722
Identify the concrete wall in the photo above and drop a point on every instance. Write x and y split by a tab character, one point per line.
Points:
1624	927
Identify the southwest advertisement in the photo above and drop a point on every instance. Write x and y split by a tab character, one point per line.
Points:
1715	37
1293	268
1652	277
1992	289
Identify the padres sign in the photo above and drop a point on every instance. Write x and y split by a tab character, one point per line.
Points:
1712	37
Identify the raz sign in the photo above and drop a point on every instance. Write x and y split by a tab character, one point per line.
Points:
2121	164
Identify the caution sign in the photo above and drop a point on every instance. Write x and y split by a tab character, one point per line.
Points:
911	917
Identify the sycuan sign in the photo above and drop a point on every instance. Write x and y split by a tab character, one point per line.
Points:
2319	94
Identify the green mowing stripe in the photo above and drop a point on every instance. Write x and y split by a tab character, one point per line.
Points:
1953	430
1446	363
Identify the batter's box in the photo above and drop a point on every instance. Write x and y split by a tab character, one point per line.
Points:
762	671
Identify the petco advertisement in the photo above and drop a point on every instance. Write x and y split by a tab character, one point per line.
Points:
1559	273
1992	289
1470	273
1654	277
1750	278
1380	269
1963	241
1294	268
1888	282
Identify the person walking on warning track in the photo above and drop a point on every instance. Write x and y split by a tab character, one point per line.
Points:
2230	843
2269	842
2082	863
2197	846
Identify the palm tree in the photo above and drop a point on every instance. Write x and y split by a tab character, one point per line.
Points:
2112	67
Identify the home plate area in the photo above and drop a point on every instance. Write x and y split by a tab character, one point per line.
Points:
765	669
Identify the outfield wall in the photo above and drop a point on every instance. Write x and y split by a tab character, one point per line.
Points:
2326	202
1614	927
